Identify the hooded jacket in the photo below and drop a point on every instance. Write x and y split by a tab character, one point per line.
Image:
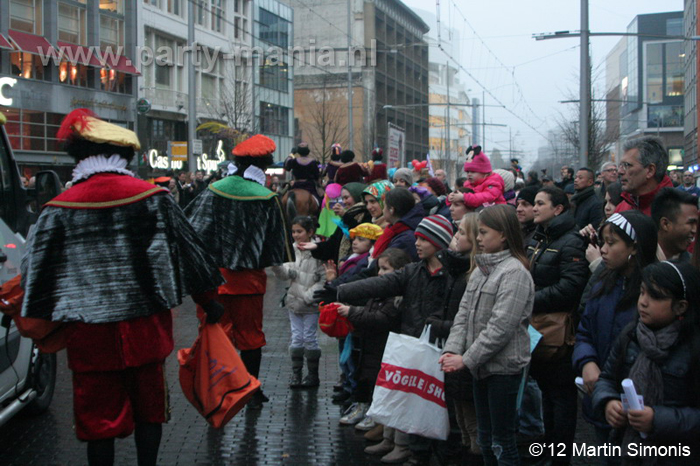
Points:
643	202
486	192
558	264
307	275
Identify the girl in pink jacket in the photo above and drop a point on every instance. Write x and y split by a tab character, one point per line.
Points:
487	186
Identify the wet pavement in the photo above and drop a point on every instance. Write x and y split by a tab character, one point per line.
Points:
297	427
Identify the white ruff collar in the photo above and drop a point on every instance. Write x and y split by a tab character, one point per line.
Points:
99	164
253	173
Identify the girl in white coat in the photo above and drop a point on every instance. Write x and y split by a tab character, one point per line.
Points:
307	275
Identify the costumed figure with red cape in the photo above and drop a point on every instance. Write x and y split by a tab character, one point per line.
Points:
110	257
243	227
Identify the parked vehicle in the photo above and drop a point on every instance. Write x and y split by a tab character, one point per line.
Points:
27	376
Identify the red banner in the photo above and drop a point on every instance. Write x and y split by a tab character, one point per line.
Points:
412	381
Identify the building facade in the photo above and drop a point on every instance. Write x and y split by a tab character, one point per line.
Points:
651	82
56	56
386	70
692	65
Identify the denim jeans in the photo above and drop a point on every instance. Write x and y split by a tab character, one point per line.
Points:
531	423
559	404
495	400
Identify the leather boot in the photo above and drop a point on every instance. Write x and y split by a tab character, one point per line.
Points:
297	355
312	362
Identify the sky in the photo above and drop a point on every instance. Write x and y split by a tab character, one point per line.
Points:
498	50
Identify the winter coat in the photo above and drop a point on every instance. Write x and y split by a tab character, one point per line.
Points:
350	172
677	419
588	208
643	202
490	330
558	264
458	385
528	230
307	275
372	323
406	240
486	192
422	293
598	329
434	205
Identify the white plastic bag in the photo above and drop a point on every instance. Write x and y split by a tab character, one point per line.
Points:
410	391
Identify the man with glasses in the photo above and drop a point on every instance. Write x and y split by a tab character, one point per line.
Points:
642	173
609	173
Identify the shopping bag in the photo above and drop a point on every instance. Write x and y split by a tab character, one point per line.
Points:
213	376
331	323
410	391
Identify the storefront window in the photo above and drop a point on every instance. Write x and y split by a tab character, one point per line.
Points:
73	74
27	65
114	81
30	130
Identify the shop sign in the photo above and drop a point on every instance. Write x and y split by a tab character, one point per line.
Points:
155	160
5	81
143	106
178	150
210	163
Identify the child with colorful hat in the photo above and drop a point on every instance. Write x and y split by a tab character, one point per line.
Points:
488	186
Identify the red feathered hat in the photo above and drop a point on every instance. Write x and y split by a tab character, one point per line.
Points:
255	146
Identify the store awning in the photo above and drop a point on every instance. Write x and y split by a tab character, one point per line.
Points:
123	64
4	43
78	54
30	43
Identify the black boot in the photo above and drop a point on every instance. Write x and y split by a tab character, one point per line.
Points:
251	359
312	362
297	355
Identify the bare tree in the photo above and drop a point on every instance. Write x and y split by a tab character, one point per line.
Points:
328	122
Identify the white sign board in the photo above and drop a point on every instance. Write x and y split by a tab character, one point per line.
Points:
197	146
397	147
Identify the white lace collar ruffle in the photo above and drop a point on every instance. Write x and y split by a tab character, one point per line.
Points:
254	173
100	164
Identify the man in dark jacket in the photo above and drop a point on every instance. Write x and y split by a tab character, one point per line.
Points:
560	271
525	203
588	208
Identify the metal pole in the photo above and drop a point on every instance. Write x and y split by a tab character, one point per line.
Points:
449	141
483	121
585	88
351	144
191	90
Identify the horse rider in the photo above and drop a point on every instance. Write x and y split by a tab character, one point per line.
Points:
305	171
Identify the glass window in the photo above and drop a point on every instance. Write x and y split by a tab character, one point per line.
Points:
217	15
111	33
113	6
208	86
71	23
274	119
655	73
175	7
73	74
665	116
675	77
25	16
201	13
674	27
163	75
273	29
27	65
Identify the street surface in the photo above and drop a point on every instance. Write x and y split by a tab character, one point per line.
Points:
297	427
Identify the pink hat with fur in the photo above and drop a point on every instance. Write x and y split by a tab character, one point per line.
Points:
477	161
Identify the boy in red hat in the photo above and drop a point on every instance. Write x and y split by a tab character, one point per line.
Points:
244	228
110	257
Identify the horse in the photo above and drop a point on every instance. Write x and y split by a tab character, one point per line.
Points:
300	202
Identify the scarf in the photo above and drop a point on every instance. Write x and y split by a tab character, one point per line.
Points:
351	263
389	233
647	377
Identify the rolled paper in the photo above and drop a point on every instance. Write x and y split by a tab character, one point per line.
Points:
632	398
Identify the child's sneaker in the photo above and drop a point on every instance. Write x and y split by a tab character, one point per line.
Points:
366	424
354	414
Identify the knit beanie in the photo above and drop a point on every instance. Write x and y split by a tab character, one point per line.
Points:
355	190
404	174
639	228
437	186
477	162
437	230
528	194
508	179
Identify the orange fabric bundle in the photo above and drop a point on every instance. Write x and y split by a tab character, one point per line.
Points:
331	323
213	376
49	337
